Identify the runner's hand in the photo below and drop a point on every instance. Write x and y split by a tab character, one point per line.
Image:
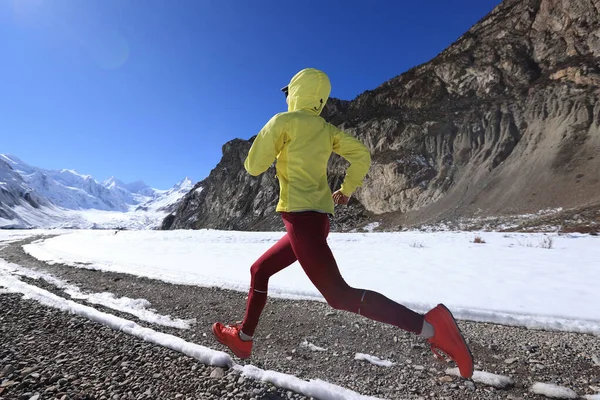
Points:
340	198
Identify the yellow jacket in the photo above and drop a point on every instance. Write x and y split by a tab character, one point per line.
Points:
301	141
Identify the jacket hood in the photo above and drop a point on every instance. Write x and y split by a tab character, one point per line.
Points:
309	90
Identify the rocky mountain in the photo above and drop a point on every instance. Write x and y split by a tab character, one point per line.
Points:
36	197
505	121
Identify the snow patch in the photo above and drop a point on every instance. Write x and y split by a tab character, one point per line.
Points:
493	284
371	227
486	378
307	345
553	391
493	223
10	236
201	353
314	388
137	307
373	360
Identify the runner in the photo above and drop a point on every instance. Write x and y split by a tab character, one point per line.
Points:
301	142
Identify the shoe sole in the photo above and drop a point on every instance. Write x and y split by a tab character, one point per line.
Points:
242	355
462	338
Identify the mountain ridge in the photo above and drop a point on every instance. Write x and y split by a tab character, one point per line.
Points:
37	197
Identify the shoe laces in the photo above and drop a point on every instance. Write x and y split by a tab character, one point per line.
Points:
233	327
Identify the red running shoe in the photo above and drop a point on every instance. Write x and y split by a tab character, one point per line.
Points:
449	339
230	337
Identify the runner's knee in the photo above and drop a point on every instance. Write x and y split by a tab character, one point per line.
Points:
258	274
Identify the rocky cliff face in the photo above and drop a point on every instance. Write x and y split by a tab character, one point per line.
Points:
229	198
504	121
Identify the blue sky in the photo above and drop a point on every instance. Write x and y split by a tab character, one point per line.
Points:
151	89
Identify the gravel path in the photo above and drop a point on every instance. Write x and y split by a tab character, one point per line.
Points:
52	354
96	362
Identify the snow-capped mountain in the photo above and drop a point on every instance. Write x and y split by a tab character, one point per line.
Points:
166	200
138	189
68	189
20	205
36	197
15	193
13	190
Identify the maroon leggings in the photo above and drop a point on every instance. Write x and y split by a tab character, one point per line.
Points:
306	241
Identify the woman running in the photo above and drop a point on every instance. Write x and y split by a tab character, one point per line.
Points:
301	142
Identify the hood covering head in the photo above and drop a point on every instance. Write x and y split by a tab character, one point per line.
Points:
308	90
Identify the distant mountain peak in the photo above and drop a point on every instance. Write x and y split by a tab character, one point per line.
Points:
68	190
73	172
184	183
112	181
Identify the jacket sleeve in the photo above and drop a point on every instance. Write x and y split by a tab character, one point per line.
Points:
357	154
266	147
